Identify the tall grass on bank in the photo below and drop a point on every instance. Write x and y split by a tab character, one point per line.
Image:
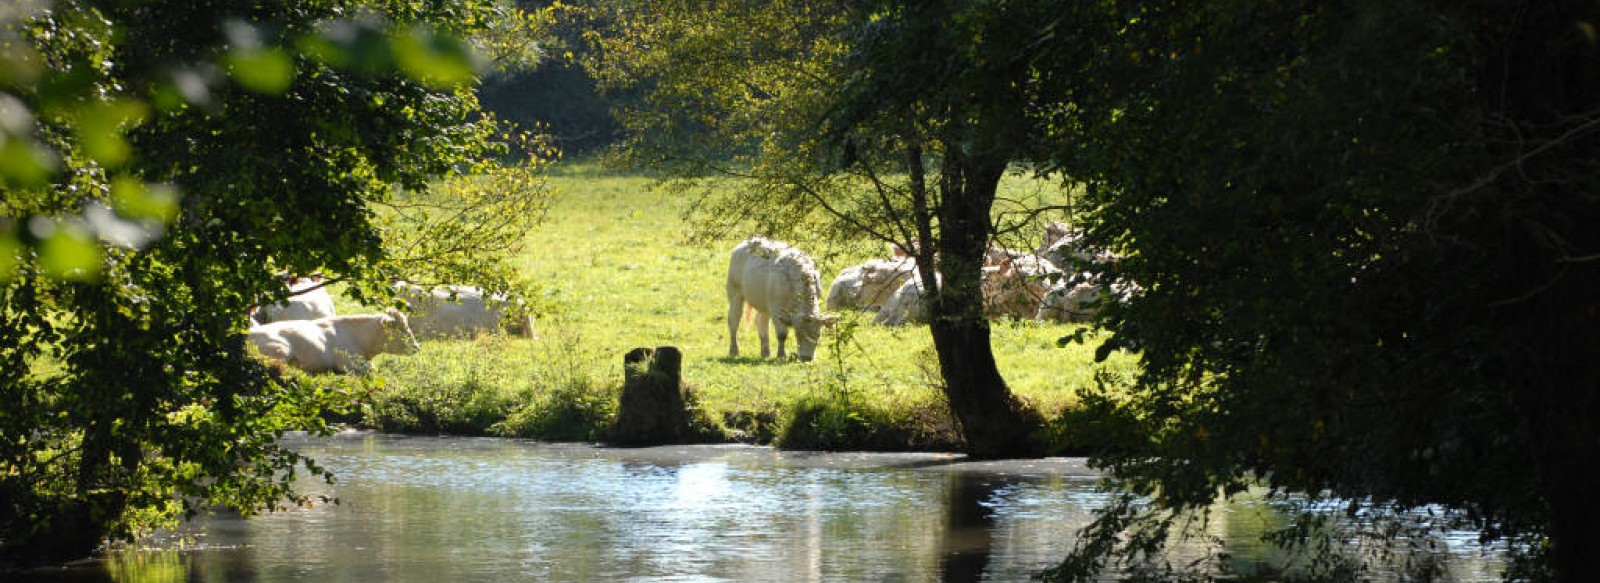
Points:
613	266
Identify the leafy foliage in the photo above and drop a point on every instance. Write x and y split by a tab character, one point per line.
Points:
281	124
886	121
1347	290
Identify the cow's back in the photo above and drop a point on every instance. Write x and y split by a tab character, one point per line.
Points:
751	270
337	344
774	278
303	344
846	289
435	314
304	305
882	278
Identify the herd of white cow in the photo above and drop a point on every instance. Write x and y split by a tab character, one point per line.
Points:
771	281
304	332
780	284
1052	283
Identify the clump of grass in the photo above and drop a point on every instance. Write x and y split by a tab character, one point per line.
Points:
1100	423
460	387
566	399
834	421
704	426
569	412
754	427
842	416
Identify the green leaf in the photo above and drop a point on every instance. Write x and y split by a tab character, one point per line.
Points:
436	60
358	44
135	199
100	126
19	65
9	251
319	48
267	70
69	252
24	162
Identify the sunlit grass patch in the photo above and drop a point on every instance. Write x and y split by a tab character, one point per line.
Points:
617	270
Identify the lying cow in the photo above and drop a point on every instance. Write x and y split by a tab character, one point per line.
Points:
308	300
868	285
1071	301
459	311
782	285
1016	284
906	305
337	344
1080	298
1065	247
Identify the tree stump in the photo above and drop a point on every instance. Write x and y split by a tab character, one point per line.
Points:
654	408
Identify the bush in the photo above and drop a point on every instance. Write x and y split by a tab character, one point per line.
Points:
452	386
841	420
577	409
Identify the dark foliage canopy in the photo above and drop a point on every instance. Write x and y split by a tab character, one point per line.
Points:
181	156
1365	237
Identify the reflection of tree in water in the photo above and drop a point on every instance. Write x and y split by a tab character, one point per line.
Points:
1258	537
969	530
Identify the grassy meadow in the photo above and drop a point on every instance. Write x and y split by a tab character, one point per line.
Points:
616	272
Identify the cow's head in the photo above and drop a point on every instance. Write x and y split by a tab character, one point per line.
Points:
808	331
397	333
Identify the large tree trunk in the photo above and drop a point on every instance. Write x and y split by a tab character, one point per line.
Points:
1544	77
1552	373
993	421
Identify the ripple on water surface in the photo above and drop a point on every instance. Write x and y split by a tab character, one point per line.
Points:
436	510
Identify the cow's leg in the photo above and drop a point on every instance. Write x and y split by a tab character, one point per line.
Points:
783	336
735	313
761	330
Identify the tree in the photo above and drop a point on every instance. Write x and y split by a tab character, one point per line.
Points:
210	146
893	120
1364	235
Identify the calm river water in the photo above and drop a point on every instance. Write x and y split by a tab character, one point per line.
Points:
445	510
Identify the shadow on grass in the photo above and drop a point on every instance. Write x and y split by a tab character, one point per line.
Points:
760	361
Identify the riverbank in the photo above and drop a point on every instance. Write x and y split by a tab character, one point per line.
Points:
616	270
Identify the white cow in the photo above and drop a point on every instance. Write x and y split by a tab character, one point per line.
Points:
459	311
868	285
308	300
1016	284
1071	301
906	305
1064	246
782	285
1080	298
337	344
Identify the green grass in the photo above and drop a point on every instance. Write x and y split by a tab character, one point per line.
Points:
617	274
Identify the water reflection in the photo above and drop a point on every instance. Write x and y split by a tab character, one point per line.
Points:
435	510
968	529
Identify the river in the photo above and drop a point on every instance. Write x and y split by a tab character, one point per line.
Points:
446	510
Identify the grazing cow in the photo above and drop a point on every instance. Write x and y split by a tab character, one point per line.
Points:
459	311
868	285
781	284
308	300
337	344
